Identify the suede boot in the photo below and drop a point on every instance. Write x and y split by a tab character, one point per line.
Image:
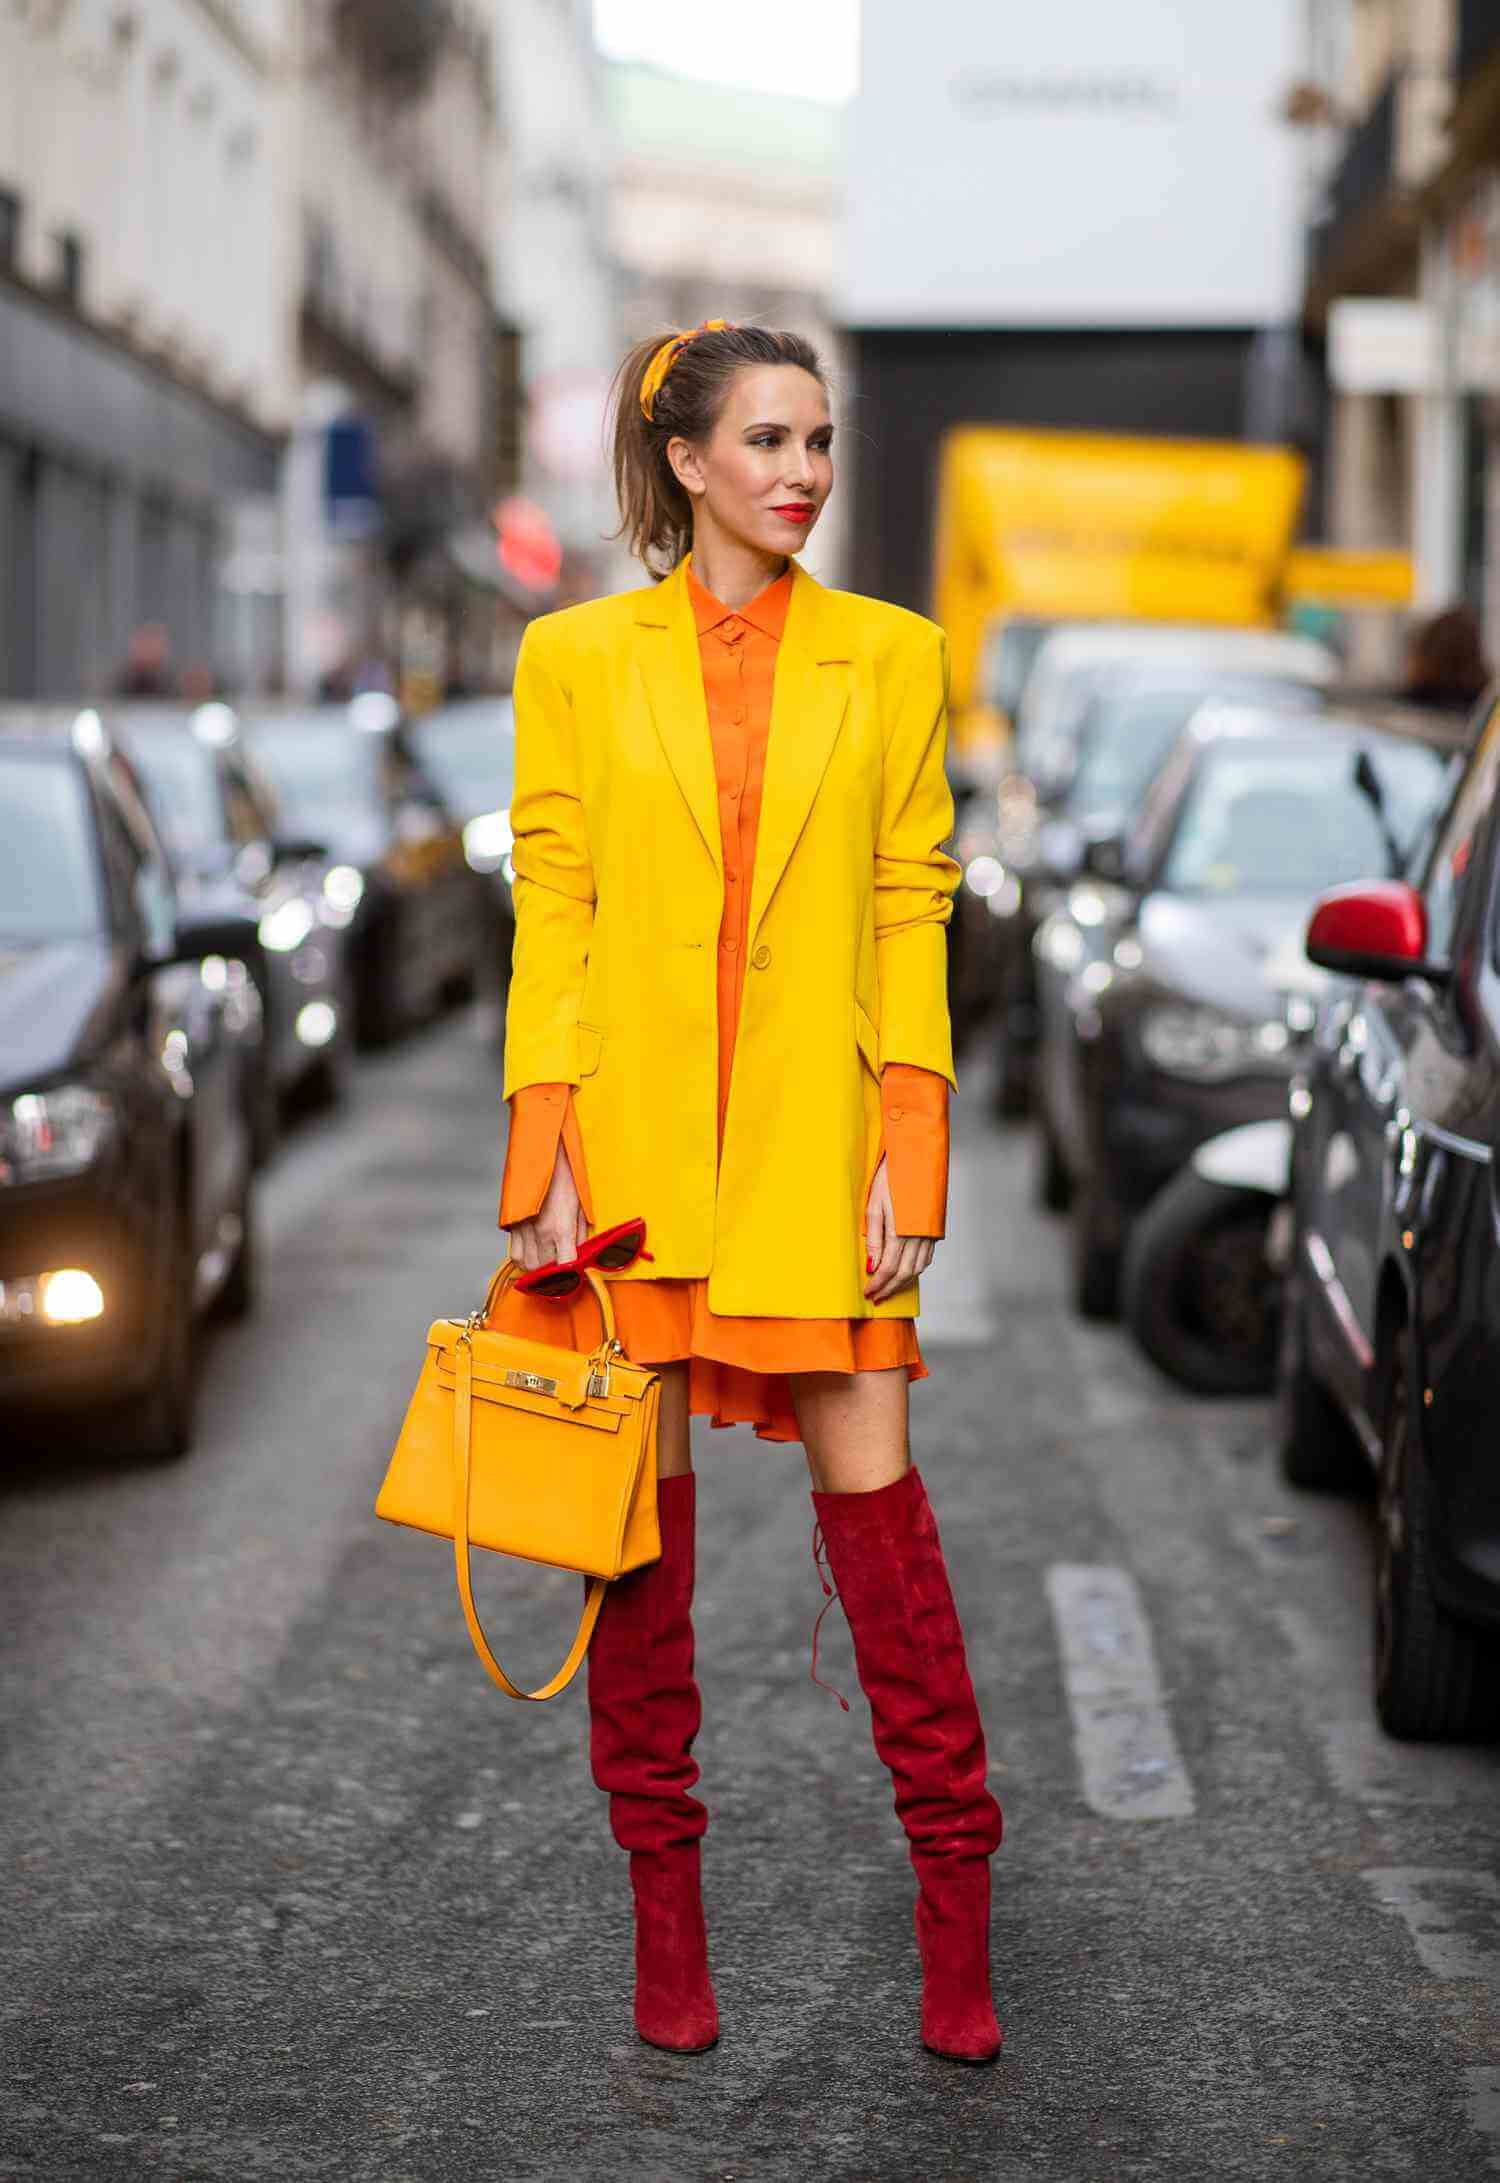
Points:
887	1562
644	1711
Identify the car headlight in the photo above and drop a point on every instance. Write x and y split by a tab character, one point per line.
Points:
343	889
1208	1047
47	1134
287	926
488	841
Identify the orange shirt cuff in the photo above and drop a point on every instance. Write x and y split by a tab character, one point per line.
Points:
914	1119
540	1115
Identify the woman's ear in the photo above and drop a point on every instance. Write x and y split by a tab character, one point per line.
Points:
686	467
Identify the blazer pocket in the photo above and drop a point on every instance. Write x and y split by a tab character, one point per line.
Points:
867	1036
590	1043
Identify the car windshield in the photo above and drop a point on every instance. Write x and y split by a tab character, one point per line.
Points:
183	786
319	770
1125	735
471	755
49	876
1270	816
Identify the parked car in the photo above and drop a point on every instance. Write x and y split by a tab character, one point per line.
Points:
1391	1347
469	749
217	815
1172	990
129	1037
348	777
1101	703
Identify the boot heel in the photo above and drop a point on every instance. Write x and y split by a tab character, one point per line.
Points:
674	1995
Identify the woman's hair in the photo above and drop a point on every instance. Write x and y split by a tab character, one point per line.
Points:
656	515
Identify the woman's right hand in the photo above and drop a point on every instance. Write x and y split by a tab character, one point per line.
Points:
558	1226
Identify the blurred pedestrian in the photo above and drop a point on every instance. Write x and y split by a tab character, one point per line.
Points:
147	671
1445	662
729	992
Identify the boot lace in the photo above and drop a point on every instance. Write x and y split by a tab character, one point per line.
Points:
831	1594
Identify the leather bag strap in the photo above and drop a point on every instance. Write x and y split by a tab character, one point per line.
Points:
505	1274
462	1406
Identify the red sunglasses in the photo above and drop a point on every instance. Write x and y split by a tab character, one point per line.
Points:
606	1252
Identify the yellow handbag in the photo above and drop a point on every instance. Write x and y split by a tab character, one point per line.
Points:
534	1450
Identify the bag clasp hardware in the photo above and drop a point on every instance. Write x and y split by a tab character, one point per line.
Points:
599	1374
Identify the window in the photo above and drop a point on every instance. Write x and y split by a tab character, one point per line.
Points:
1270	817
10	228
1449	869
48	883
70	265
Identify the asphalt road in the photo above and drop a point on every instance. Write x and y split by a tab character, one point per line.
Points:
291	1892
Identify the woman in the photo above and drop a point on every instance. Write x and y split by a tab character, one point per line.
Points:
728	1014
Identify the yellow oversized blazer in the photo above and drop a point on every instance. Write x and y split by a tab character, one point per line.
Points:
619	891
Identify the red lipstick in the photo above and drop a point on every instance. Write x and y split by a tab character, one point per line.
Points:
796	511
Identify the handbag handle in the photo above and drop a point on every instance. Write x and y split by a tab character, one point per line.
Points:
463	1399
503	1276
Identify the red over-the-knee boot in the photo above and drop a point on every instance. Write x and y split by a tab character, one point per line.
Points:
644	1711
887	1562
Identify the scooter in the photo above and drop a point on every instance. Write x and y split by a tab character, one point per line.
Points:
1202	1279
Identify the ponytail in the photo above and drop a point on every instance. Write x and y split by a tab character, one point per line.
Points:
685	395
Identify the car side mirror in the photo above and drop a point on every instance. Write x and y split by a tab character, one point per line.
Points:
1104	858
1374	929
231	935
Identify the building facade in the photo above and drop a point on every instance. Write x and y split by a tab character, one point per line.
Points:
1084	215
1402	100
727	203
556	281
139	398
252	388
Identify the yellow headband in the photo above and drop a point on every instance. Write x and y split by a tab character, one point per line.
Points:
665	357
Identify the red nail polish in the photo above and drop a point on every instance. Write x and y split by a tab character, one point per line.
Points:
869	1265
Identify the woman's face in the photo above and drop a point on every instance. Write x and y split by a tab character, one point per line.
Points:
766	469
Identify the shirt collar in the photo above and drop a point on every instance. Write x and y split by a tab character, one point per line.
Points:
766	612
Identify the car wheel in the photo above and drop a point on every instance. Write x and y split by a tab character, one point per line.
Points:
1197	1291
1054	1185
1095	1257
1429	1667
263	1111
1315	1442
326	1082
157	1424
1012	1088
380	1001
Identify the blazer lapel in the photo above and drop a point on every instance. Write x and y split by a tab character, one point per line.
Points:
666	650
807	711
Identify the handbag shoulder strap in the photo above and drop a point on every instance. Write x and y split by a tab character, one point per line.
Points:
462	1408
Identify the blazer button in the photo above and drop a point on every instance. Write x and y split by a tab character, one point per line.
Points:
761	957
894	1115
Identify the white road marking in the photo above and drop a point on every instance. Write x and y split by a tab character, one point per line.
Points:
1454	1920
1454	1917
1127	1753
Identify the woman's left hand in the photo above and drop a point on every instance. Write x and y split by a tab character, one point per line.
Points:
896	1259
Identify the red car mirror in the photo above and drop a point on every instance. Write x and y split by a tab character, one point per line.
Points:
1374	929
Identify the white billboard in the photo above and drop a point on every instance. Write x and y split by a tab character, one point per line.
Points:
1065	163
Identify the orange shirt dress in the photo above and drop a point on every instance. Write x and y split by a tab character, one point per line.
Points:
737	1365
